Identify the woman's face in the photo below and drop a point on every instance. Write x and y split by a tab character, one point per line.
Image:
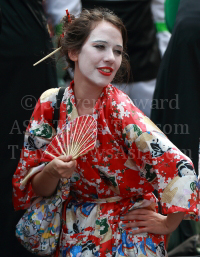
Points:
100	56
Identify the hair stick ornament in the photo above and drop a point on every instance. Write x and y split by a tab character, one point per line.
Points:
68	16
58	49
47	56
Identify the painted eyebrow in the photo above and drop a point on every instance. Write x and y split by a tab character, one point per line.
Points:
102	41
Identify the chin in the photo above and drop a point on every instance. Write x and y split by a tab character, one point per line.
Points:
103	83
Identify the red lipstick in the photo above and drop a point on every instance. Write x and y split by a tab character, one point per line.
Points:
106	71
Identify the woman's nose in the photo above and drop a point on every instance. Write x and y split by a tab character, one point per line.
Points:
109	56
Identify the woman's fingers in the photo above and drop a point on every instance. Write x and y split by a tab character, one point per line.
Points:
65	158
138	215
140	212
133	217
134	224
146	221
63	166
67	169
138	231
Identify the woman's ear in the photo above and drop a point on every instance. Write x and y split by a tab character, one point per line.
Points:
73	55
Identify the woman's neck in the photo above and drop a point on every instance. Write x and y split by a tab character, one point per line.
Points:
86	97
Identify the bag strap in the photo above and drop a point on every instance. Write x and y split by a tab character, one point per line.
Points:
56	115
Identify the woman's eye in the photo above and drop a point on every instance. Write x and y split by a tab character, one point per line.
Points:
100	47
118	52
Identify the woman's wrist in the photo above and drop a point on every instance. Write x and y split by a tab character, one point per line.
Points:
173	220
50	171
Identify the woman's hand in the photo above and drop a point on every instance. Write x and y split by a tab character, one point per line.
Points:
45	182
151	222
61	167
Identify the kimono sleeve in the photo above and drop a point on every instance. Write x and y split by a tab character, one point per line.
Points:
161	163
38	134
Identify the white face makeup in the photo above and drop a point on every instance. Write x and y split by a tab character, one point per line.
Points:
100	56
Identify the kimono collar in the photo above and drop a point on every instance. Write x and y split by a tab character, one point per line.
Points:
98	104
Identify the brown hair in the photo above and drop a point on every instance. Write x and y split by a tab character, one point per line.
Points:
77	31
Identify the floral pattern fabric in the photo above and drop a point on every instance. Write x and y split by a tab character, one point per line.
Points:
132	158
39	228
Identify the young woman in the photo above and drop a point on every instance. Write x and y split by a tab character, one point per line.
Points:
111	209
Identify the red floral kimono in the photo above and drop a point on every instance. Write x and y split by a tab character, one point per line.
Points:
132	158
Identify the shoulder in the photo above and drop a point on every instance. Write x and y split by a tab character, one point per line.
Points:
49	95
116	96
123	109
118	102
112	91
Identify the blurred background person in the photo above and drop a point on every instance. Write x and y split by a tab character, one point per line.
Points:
162	33
24	39
176	103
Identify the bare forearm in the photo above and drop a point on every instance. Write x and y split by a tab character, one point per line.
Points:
44	184
173	220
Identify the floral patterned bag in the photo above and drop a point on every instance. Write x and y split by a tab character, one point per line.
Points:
39	228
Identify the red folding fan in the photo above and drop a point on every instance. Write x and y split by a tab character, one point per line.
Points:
78	138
